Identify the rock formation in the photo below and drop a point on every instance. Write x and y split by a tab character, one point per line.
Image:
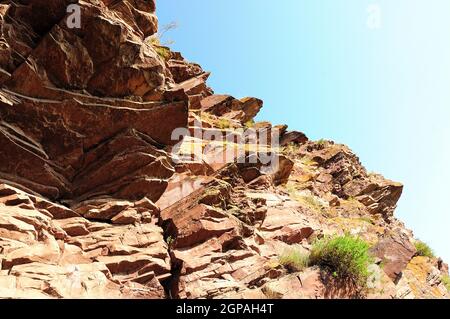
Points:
99	199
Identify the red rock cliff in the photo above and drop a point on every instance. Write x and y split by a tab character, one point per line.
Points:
99	199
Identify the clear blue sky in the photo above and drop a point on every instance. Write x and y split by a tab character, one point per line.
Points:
321	69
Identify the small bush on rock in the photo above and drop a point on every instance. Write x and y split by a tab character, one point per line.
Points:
446	282
223	123
423	249
294	260
346	257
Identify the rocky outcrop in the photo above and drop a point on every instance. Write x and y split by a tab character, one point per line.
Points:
421	280
243	110
123	175
341	174
48	250
395	251
69	123
83	130
294	137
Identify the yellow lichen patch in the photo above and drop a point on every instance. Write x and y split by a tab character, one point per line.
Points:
420	267
308	168
303	178
352	203
307	161
354	209
417	275
249	124
273	264
163	52
305	171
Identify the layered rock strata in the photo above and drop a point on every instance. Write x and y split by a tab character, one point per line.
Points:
123	175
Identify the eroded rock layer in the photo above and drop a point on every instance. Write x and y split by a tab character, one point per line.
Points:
103	193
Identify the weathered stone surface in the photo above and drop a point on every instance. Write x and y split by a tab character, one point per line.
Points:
181	69
181	186
255	165
243	110
342	174
293	137
442	266
286	225
45	252
307	285
421	280
395	251
250	106
59	131
99	198
198	224
214	268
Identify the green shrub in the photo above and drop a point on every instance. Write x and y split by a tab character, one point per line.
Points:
446	282
170	241
346	257
223	123
156	41
291	149
367	220
423	249
249	124
294	260
163	52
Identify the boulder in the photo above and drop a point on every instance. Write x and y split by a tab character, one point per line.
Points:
181	69
243	110
396	251
293	137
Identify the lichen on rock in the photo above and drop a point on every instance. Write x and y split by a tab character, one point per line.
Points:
100	199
